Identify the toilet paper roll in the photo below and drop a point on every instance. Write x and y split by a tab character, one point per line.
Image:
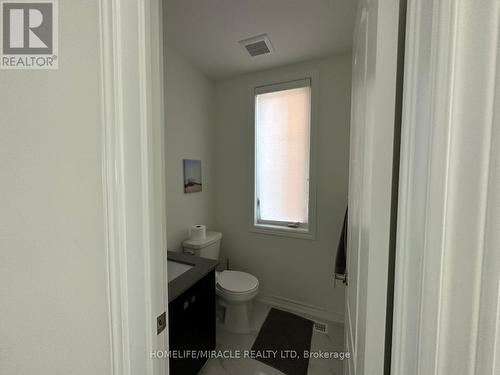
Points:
198	232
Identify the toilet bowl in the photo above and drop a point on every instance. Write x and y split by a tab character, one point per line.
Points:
235	290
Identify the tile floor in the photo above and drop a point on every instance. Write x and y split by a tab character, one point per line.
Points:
333	341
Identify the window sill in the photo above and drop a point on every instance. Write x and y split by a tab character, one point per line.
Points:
277	230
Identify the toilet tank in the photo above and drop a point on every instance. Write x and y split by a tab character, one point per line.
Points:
206	248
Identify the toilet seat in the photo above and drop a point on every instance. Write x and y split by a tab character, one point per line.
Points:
236	282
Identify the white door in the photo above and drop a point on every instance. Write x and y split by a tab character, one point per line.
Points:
131	42
370	183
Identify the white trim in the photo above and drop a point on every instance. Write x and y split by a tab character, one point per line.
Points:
447	266
282	80
300	308
488	328
283	231
424	159
132	118
373	118
114	188
282	86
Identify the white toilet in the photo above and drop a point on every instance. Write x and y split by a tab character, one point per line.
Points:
235	289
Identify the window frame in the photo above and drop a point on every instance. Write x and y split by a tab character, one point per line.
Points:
284	82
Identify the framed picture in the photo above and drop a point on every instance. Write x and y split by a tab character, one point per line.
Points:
192	176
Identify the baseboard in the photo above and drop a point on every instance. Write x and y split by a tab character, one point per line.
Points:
300	308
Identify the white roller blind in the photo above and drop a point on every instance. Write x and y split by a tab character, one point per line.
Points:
282	146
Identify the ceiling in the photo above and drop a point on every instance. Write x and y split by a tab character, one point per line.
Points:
206	32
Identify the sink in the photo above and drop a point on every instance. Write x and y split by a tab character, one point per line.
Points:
175	269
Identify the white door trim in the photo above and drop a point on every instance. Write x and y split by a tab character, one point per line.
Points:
371	173
133	176
446	308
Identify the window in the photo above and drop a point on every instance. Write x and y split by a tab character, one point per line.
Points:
282	156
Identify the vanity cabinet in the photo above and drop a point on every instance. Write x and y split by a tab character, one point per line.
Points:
192	325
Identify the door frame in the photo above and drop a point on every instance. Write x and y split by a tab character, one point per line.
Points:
373	168
131	48
447	280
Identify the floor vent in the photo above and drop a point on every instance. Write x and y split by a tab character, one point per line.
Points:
321	327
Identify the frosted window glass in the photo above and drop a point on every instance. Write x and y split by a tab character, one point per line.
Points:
282	134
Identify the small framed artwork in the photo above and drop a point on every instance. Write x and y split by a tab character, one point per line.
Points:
192	176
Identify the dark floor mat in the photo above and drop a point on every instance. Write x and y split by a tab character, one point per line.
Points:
282	336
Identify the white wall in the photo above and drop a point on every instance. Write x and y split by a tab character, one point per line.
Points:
296	269
189	134
53	285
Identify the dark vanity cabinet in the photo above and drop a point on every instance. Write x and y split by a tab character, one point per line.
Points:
192	326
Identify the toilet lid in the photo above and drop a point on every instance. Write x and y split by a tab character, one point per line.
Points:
237	281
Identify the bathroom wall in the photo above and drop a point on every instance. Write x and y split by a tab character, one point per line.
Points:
189	135
53	273
297	270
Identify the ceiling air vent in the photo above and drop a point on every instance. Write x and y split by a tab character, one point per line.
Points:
257	45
